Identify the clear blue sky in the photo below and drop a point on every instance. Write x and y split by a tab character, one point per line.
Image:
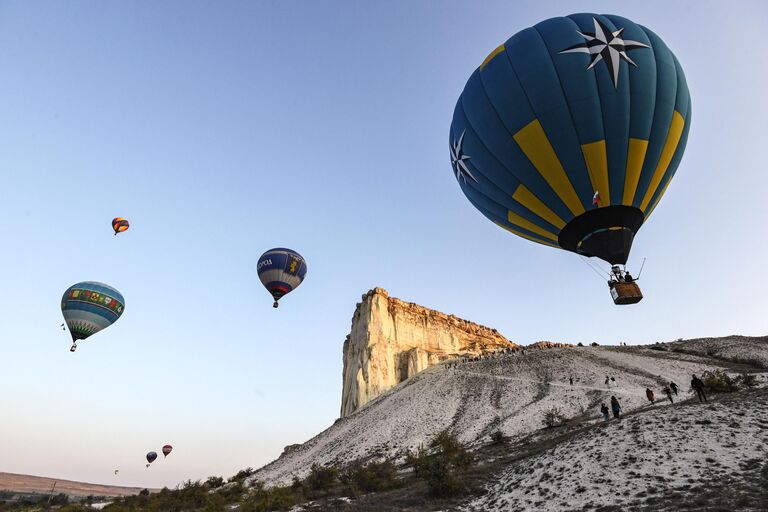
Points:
222	129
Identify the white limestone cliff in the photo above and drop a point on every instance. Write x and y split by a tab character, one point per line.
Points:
392	340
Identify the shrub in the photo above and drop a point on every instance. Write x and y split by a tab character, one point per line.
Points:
372	477
418	461
498	438
242	475
595	344
261	499
321	478
214	482
579	344
439	468
232	491
553	417
747	379
717	381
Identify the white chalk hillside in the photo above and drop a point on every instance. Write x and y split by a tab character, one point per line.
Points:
507	393
671	457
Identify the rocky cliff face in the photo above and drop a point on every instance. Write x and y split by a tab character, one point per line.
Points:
391	340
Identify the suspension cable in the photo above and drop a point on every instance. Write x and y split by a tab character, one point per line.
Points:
595	270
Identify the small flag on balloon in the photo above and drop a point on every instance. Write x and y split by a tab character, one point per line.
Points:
596	199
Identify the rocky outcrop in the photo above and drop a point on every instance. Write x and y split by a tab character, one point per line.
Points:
391	340
548	344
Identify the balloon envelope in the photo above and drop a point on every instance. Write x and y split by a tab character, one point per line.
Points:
89	307
120	224
569	133
167	449
281	271
151	456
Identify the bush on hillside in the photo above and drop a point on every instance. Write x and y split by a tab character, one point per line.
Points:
498	438
748	380
188	495
262	499
242	475
214	482
439	468
321	478
717	381
372	477
553	417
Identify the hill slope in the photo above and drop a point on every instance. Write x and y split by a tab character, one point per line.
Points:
684	457
27	484
508	393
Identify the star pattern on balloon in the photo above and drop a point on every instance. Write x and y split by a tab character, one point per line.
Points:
607	46
458	159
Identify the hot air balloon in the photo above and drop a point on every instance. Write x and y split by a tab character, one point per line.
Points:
89	307
151	456
166	450
569	133
120	224
281	271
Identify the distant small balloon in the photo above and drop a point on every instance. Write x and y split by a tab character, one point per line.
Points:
151	456
167	449
281	271
120	224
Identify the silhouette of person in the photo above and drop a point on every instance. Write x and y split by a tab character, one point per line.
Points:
615	407
604	410
698	386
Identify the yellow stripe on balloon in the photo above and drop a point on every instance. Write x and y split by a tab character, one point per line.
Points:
656	202
491	55
670	145
535	144
519	221
596	158
528	237
526	198
635	158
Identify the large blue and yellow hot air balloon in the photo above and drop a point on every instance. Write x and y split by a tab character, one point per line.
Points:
569	133
89	307
281	271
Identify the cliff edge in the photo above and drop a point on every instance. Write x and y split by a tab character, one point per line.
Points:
392	340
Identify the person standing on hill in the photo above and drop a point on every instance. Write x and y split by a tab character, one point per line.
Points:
673	386
615	407
606	381
571	379
698	386
649	394
668	392
604	410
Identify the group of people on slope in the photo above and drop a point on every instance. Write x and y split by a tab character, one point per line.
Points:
696	384
668	389
615	407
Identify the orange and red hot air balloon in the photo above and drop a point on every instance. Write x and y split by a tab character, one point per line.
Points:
166	450
120	224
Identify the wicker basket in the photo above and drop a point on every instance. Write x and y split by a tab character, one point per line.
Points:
626	293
